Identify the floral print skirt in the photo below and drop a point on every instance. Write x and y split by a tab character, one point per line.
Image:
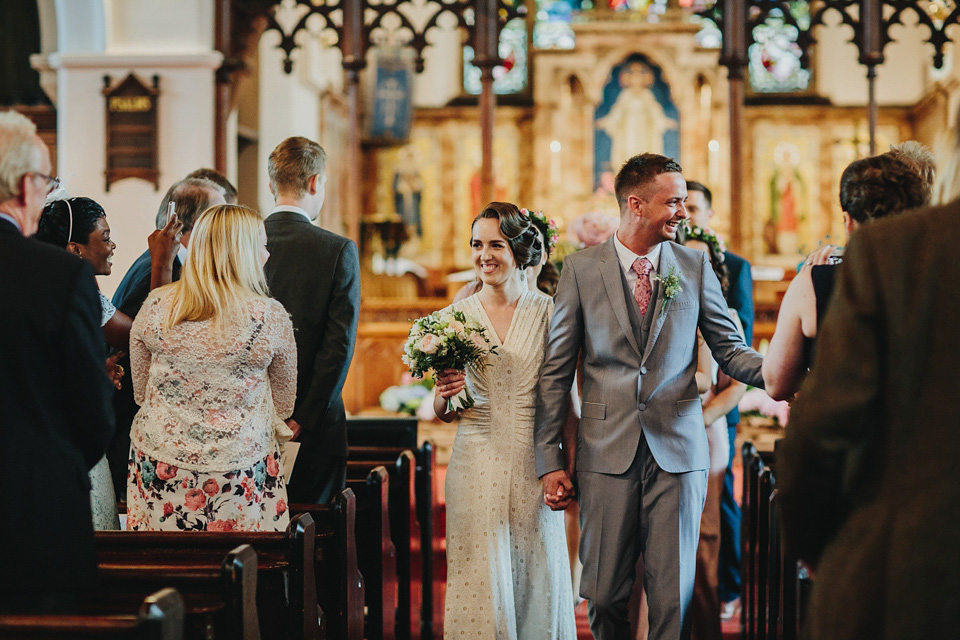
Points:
163	497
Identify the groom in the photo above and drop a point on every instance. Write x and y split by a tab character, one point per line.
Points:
631	308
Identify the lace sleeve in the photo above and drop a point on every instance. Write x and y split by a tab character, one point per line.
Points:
283	370
139	353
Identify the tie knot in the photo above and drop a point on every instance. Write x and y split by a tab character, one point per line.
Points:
642	267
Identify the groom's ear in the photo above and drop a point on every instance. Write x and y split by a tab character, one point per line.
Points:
636	204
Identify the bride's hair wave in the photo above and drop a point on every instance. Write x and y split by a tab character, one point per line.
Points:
520	232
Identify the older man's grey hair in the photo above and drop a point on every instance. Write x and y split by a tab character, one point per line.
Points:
920	159
19	153
191	197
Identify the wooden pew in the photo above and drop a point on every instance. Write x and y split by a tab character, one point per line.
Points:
404	529
273	587
387	431
376	554
159	617
766	485
423	540
340	589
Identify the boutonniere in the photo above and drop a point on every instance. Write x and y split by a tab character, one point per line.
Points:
671	287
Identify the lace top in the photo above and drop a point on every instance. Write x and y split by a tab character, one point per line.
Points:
106	310
212	399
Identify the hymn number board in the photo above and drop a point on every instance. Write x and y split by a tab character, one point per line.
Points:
131	130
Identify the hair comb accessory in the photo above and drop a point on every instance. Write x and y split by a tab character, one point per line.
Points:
546	225
60	193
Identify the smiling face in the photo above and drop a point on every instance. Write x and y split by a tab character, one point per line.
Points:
660	211
698	208
98	250
492	257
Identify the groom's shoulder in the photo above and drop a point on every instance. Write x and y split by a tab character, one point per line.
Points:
585	256
685	254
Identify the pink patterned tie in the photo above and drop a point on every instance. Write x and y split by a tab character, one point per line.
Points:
642	291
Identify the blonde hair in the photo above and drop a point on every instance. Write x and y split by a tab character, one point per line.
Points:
293	163
18	152
223	268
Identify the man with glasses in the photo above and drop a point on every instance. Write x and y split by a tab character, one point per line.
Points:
55	418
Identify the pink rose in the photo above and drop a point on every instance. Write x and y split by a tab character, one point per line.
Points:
281	506
195	499
429	344
222	525
456	325
273	467
166	471
210	487
167	509
478	340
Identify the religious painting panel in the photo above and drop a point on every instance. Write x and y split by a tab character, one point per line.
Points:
469	199
850	141
786	191
636	114
407	222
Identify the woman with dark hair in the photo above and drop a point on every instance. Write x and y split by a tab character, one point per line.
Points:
870	188
543	276
79	225
508	574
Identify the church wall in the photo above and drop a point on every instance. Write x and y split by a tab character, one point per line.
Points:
93	38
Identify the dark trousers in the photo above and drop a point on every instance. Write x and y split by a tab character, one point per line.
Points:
317	477
729	531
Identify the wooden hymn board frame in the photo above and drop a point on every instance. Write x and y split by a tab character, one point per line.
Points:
131	132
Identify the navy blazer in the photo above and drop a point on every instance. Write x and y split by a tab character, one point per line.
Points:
740	298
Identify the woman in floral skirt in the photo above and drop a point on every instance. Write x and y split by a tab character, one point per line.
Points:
214	371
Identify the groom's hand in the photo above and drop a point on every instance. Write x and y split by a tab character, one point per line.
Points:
558	491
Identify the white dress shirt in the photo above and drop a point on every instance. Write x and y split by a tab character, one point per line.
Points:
627	258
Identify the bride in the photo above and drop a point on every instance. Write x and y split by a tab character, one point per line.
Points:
508	574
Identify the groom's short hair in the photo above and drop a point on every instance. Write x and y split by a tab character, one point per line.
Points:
639	172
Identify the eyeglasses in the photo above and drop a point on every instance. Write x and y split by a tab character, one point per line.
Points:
52	181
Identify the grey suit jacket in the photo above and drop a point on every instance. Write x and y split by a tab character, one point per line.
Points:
626	390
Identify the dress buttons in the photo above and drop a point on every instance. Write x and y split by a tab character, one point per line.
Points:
641	406
643	370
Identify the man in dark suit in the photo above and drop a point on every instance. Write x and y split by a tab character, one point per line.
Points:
867	475
700	207
315	274
55	420
191	197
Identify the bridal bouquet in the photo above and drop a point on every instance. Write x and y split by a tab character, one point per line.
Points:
447	340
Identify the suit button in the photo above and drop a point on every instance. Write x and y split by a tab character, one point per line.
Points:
643	370
641	406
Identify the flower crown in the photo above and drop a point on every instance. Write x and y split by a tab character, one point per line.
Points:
703	235
546	225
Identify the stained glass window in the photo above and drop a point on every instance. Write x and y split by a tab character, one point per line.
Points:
511	76
775	56
552	28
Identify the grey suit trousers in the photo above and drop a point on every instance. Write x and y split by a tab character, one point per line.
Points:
622	511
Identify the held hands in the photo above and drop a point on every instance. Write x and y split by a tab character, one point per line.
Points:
558	491
165	242
295	427
450	382
115	371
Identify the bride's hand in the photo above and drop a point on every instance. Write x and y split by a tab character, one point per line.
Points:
450	382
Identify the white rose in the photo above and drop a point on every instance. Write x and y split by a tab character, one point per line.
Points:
457	326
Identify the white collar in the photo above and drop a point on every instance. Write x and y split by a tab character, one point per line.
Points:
291	208
13	221
182	254
628	257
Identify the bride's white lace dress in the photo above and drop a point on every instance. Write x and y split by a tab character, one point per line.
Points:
508	574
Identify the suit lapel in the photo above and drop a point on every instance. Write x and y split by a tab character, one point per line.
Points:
610	272
668	262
